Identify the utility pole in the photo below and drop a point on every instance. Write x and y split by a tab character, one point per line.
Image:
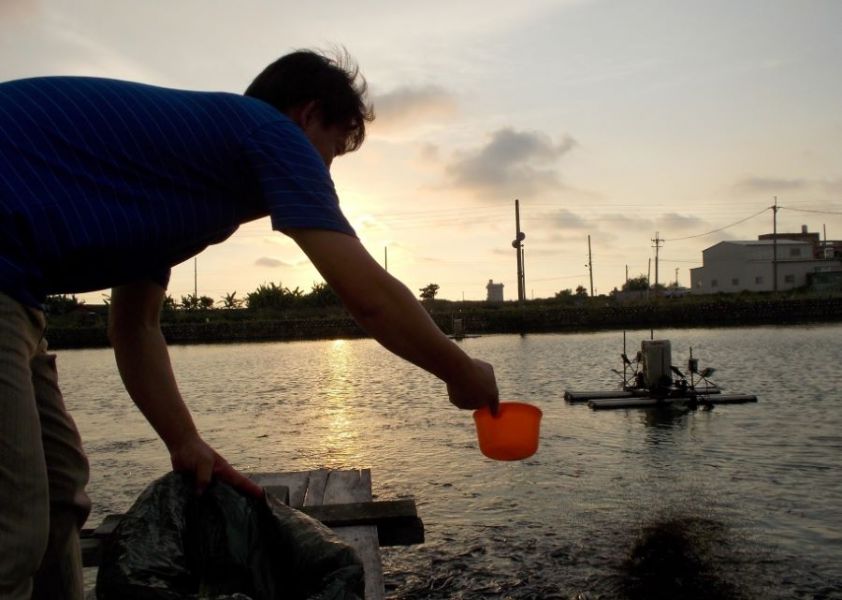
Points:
627	277
517	244
386	258
775	245
590	263
657	242
196	277
676	277
648	278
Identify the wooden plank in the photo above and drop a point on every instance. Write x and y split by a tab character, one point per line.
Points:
310	491
325	486
90	540
280	492
316	487
397	521
355	486
91	550
295	482
361	513
107	527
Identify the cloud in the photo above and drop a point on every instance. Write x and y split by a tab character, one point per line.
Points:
18	9
537	249
773	185
556	220
769	185
428	153
576	241
409	107
265	261
675	221
503	251
832	186
56	44
519	162
564	219
626	223
725	236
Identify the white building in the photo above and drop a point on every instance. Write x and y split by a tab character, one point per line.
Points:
738	266
495	291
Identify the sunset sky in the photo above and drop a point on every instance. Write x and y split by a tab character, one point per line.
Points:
610	119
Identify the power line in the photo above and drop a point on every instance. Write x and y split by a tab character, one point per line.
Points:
690	237
807	210
556	278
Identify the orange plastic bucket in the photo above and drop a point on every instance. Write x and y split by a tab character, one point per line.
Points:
511	434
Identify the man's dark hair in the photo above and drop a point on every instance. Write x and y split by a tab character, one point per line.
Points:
335	83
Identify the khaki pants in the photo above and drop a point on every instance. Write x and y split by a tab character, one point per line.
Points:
43	470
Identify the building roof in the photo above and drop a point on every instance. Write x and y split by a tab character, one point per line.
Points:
764	242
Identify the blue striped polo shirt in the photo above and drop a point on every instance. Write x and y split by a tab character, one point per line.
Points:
104	182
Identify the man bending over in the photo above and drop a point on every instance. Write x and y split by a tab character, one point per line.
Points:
107	183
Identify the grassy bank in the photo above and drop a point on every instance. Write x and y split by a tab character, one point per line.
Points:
86	328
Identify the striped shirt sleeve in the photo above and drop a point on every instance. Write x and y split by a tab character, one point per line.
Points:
293	179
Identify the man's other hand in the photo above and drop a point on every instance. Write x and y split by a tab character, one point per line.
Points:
197	457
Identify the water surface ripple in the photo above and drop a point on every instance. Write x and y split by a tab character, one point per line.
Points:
739	502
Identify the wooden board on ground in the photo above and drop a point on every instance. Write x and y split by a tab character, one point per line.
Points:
323	486
341	500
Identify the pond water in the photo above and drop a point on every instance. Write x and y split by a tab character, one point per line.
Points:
742	501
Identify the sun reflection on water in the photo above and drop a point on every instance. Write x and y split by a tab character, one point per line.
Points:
340	443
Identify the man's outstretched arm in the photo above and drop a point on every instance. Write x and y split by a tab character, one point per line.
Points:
389	312
134	330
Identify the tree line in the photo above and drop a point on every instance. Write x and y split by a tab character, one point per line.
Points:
279	297
267	296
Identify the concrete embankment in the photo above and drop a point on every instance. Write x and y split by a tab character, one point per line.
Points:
534	317
217	331
662	314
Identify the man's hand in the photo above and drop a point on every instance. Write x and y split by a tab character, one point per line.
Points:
134	328
195	456
475	388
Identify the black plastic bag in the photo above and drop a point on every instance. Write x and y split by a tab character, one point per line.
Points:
175	545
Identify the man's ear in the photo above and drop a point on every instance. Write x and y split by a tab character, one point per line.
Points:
305	114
